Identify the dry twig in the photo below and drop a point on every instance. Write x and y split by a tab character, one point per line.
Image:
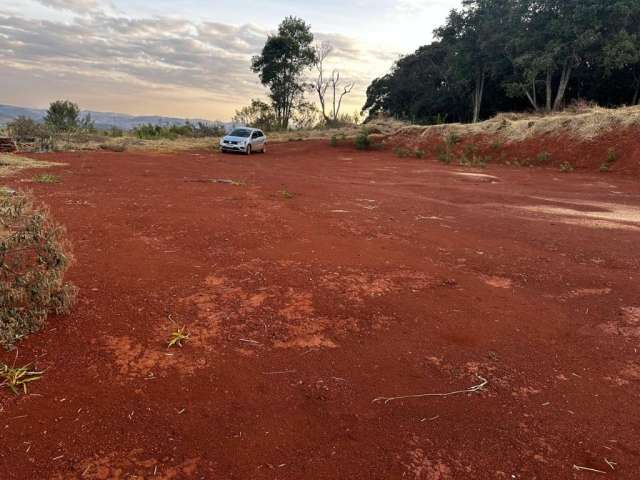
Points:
474	389
587	469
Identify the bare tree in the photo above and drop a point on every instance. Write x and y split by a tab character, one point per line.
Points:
330	89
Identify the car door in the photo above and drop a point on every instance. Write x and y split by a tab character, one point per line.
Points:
258	141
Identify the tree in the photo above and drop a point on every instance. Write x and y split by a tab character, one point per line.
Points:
63	116
284	58
23	128
333	86
258	114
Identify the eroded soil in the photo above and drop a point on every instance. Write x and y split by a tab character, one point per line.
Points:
325	279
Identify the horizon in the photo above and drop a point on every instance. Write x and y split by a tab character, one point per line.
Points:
138	60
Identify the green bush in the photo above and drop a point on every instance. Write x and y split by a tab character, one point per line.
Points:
419	153
34	256
401	152
334	141
363	142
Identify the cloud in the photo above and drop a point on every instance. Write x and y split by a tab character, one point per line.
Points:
150	57
79	6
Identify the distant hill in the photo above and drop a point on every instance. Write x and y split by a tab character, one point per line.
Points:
103	120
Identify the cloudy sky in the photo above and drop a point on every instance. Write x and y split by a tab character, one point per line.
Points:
189	58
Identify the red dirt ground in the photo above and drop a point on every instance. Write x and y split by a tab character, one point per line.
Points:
380	277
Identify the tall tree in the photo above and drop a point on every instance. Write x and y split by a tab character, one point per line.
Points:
284	58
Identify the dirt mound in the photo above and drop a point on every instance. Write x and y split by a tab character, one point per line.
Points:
592	139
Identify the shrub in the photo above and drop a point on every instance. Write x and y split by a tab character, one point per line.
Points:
23	128
401	152
363	142
543	157
334	141
34	255
445	151
419	153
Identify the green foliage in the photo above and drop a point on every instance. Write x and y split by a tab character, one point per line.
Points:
445	151
34	256
401	152
172	132
281	64
115	132
334	141
17	378
23	128
419	153
258	115
471	158
363	142
499	55
63	116
566	167
47	178
543	157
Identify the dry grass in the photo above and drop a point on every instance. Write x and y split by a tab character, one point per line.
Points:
10	164
378	128
586	123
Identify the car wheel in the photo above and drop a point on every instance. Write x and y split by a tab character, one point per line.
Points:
249	149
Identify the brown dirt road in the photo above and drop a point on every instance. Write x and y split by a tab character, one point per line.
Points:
380	277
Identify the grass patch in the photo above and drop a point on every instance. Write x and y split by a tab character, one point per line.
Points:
47	178
401	152
286	194
34	256
363	142
419	153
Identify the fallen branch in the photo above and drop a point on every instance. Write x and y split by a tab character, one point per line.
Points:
474	389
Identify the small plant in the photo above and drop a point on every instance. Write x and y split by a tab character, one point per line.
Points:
401	152
566	167
445	151
178	337
543	157
286	194
47	178
419	153
363	142
612	157
334	141
16	379
496	145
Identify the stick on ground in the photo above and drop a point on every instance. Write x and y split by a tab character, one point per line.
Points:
474	389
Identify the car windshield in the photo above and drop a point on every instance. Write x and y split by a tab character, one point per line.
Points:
241	132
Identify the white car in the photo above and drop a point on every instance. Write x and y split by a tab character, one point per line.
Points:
245	140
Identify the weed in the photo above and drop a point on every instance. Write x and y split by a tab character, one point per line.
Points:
178	337
419	153
286	194
363	142
47	178
445	151
471	158
566	167
496	145
401	152
16	379
543	157
612	157
334	141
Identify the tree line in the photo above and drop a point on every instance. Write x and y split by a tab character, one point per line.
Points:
516	55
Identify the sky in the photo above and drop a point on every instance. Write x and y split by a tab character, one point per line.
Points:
191	58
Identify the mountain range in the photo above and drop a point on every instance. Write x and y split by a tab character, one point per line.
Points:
102	120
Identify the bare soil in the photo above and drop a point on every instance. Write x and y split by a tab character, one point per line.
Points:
326	278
